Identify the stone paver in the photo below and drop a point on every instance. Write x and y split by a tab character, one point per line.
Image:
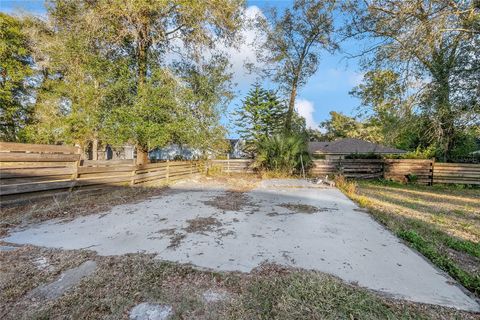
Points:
149	311
66	281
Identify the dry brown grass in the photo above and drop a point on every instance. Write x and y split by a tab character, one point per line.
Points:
455	213
269	292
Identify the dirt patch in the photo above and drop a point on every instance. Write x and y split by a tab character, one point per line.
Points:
467	262
230	201
303	208
174	236
176	240
201	224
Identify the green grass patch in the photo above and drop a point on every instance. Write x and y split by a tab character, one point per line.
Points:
426	237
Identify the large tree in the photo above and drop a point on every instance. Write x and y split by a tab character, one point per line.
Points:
15	68
78	79
107	70
343	126
146	31
382	95
433	46
262	114
294	41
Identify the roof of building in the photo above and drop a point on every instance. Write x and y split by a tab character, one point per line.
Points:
349	146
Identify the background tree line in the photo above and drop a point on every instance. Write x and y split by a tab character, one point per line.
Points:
151	73
421	86
118	71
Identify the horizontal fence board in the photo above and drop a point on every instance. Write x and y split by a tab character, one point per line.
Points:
101	163
37	148
152	166
42	157
26	180
39	172
34	165
33	187
460	165
103	175
456	181
96	169
150	174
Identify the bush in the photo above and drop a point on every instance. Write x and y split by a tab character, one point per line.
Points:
370	155
284	153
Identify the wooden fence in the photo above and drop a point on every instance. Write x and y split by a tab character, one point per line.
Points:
232	165
34	169
31	169
418	170
462	173
354	168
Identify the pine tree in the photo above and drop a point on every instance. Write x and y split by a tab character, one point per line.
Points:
262	114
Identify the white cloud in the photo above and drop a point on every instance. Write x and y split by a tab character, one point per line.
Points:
306	109
245	51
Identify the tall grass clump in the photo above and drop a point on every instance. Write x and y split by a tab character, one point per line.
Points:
347	186
284	153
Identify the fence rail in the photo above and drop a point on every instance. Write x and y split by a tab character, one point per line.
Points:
29	169
233	165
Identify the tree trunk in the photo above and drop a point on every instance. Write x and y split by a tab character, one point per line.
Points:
95	149
142	156
291	107
142	65
143	45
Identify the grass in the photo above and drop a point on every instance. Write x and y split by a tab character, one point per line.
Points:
441	222
269	292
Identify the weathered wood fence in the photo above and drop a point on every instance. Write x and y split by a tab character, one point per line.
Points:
232	165
422	171
32	168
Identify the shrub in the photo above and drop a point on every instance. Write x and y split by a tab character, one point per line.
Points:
370	155
283	152
412	178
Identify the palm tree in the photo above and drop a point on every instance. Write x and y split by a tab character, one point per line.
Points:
282	152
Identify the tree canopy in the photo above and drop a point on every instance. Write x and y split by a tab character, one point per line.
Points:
433	48
15	69
293	44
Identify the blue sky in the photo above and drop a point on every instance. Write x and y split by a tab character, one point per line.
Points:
325	91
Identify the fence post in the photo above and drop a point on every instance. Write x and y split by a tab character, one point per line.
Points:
383	168
228	163
134	172
167	174
432	166
75	169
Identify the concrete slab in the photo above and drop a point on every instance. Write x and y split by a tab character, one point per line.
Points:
272	223
66	281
